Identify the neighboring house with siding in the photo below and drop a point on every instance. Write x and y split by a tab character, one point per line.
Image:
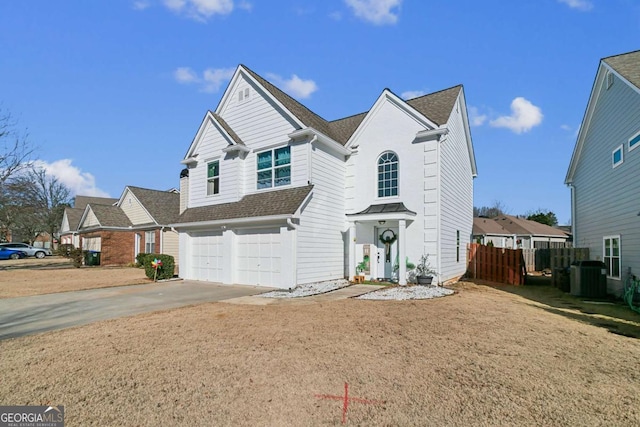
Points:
136	222
605	169
508	231
275	195
71	218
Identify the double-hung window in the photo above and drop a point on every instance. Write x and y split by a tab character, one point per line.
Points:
150	242
611	256
213	178
274	168
388	175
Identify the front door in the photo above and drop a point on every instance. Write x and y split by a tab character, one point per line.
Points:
387	243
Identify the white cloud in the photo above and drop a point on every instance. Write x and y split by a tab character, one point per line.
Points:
78	182
141	5
565	127
295	86
410	94
379	12
476	118
200	10
583	5
524	116
185	75
214	77
211	80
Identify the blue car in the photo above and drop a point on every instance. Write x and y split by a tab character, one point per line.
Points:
6	253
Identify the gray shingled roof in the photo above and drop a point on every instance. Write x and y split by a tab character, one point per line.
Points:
271	203
628	65
81	202
436	107
73	216
517	225
163	206
110	216
227	128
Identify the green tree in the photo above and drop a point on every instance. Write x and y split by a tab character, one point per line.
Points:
543	217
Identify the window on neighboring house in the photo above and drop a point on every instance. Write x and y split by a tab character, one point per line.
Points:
612	256
388	175
213	178
617	157
274	168
634	141
150	242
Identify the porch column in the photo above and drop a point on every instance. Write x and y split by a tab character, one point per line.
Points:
402	252
352	250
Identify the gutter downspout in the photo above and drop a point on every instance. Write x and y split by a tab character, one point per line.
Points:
162	239
310	159
291	224
573	214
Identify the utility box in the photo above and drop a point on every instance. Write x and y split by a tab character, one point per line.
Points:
589	279
92	258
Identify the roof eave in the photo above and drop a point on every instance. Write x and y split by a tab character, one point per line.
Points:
232	221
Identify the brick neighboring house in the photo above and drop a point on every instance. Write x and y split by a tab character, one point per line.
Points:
137	222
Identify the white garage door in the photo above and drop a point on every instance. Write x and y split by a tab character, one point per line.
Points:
258	257
92	243
207	256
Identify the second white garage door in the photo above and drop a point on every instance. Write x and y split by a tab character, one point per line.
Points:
259	257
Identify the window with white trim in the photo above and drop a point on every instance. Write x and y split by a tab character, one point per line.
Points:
273	168
150	242
634	141
213	178
611	255
609	79
388	174
617	156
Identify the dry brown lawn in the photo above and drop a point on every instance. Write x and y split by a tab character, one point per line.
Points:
30	276
484	356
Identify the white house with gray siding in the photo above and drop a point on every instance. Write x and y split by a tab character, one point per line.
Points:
604	173
274	195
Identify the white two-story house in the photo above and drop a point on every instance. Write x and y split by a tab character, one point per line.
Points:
273	194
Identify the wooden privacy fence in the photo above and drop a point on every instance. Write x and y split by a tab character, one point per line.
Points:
543	259
495	264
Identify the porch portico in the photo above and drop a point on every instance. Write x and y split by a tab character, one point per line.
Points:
384	226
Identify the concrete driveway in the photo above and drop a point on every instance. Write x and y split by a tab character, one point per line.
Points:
35	314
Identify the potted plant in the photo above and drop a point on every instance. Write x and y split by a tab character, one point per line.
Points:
424	271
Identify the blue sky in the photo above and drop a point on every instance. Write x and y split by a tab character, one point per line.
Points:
112	92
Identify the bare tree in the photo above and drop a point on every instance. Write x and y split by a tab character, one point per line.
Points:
39	201
15	154
497	209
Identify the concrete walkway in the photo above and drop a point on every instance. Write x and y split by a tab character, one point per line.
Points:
34	314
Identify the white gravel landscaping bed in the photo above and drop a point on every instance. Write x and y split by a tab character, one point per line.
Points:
407	293
308	289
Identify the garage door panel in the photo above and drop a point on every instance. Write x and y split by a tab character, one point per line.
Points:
207	256
258	257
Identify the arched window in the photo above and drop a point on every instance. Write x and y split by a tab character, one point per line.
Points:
388	174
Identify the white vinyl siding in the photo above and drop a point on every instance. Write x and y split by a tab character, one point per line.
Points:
134	210
90	220
170	244
605	202
320	245
456	200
